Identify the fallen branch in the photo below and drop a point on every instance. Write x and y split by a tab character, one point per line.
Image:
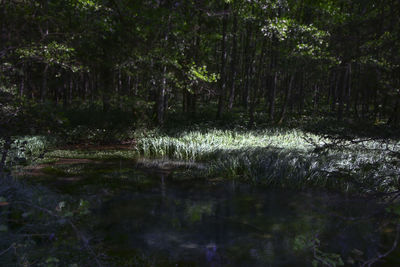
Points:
381	256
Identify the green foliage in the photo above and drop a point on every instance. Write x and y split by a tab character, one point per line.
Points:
53	54
26	149
201	73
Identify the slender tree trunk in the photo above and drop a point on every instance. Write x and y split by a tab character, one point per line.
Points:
247	60
301	97
348	92
255	85
342	91
86	89
44	84
106	83
333	90
6	147
184	100
272	99
394	118
233	62
161	97
65	93
287	99
22	86
315	99
222	89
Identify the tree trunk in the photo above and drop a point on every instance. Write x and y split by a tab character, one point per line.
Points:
106	79
394	117
222	85
342	91
255	86
161	97
348	92
233	62
272	99
44	84
287	99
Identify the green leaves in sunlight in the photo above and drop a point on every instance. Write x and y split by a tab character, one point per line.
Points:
54	53
200	73
305	40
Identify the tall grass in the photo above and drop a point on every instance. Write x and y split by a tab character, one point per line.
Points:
272	156
284	158
197	145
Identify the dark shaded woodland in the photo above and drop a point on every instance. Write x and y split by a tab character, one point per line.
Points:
152	58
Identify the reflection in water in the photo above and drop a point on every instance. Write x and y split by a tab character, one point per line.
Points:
212	255
200	223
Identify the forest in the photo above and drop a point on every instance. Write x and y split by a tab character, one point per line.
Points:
199	133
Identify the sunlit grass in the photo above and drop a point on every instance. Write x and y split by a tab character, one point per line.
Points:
196	145
285	158
93	154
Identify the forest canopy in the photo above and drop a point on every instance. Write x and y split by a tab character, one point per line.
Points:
269	58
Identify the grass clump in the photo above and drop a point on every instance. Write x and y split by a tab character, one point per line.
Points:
198	145
93	154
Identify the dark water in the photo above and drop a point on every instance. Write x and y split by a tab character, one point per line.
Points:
173	221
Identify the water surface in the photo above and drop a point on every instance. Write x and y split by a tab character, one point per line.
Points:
173	220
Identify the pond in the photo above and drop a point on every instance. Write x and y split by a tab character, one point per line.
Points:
174	220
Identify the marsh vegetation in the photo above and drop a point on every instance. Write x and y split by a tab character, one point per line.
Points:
204	196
